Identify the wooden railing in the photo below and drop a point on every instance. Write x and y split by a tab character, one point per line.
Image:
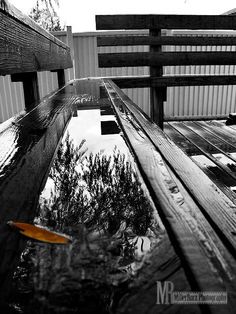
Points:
156	58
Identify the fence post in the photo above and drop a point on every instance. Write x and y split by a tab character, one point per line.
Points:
70	43
157	94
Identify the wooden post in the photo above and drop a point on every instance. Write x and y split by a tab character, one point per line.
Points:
70	43
30	86
61	78
157	94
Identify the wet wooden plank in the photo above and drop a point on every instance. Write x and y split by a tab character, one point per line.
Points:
224	181
107	60
164	264
26	47
27	147
173	207
131	40
111	22
226	133
212	138
147	81
217	208
205	147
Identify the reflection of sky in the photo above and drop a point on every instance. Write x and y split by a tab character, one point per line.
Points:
87	125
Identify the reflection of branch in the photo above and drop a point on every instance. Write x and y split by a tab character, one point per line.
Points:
103	194
99	199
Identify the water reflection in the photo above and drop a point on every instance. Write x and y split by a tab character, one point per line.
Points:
98	200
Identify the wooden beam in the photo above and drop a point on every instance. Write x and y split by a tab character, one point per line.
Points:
216	207
26	47
165	40
30	87
184	80
130	59
112	22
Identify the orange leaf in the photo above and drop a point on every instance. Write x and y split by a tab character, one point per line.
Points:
39	233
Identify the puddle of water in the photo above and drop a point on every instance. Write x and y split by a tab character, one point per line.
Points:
95	194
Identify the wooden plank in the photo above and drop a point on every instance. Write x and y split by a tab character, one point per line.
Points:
205	147
213	138
184	80
225	182
11	11
25	47
221	130
27	148
174	211
112	22
128	59
217	208
132	40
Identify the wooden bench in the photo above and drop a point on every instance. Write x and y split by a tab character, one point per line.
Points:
156	58
199	217
29	140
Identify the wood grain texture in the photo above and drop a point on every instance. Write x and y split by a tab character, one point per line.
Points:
27	147
11	11
216	174
128	59
139	40
25	47
184	80
217	208
207	149
110	22
173	208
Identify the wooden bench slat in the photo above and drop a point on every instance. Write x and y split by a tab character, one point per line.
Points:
27	147
26	47
111	22
219	210
128	59
183	234
165	40
11	11
165	81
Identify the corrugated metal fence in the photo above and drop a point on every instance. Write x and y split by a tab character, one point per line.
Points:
182	102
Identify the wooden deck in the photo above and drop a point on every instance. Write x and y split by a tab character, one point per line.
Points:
212	146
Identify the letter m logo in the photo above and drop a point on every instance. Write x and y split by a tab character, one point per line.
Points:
164	292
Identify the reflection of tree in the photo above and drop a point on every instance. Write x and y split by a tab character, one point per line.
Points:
102	192
99	200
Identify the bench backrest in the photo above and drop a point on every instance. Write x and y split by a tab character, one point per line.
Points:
27	48
156	58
